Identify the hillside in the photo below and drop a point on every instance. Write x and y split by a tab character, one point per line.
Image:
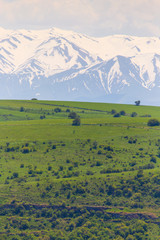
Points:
99	180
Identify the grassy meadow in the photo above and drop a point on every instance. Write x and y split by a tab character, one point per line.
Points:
99	180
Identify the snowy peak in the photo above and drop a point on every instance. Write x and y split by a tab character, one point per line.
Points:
59	64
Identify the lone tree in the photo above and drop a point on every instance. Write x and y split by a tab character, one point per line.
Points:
137	102
153	122
21	109
76	122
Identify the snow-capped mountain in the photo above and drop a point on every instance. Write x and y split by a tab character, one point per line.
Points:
64	65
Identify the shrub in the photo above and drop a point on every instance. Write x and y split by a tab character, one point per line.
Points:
49	168
10	149
89	172
123	113
25	150
140	173
153	122
98	163
118	193
76	122
21	109
131	140
15	175
116	115
99	152
56	110
95	145
127	192
80	189
42	116
72	115
157	194
60	168
108	148
153	159
39	171
146	115
133	114
75	164
113	111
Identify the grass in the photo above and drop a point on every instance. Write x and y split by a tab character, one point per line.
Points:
107	161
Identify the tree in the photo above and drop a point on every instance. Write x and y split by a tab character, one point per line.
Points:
76	122
133	114
72	115
113	111
137	102
56	110
34	99
153	122
21	109
117	115
123	113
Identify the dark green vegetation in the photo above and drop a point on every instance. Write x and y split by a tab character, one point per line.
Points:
71	170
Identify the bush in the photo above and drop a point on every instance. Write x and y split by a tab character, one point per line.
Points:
15	175
25	150
99	152
89	172
113	111
108	148
140	173
21	109
56	110
98	163
72	115
42	116
153	159
116	115
49	168
95	145
76	122
153	122
123	113
133	114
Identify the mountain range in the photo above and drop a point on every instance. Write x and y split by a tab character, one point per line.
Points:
55	64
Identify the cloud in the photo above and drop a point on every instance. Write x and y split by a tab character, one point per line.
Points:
93	17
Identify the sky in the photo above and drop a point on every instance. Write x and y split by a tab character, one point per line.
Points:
96	18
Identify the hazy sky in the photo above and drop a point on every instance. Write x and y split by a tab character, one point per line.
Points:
92	17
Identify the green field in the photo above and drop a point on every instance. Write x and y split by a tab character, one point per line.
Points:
99	180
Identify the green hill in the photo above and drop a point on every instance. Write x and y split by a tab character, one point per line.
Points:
99	180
